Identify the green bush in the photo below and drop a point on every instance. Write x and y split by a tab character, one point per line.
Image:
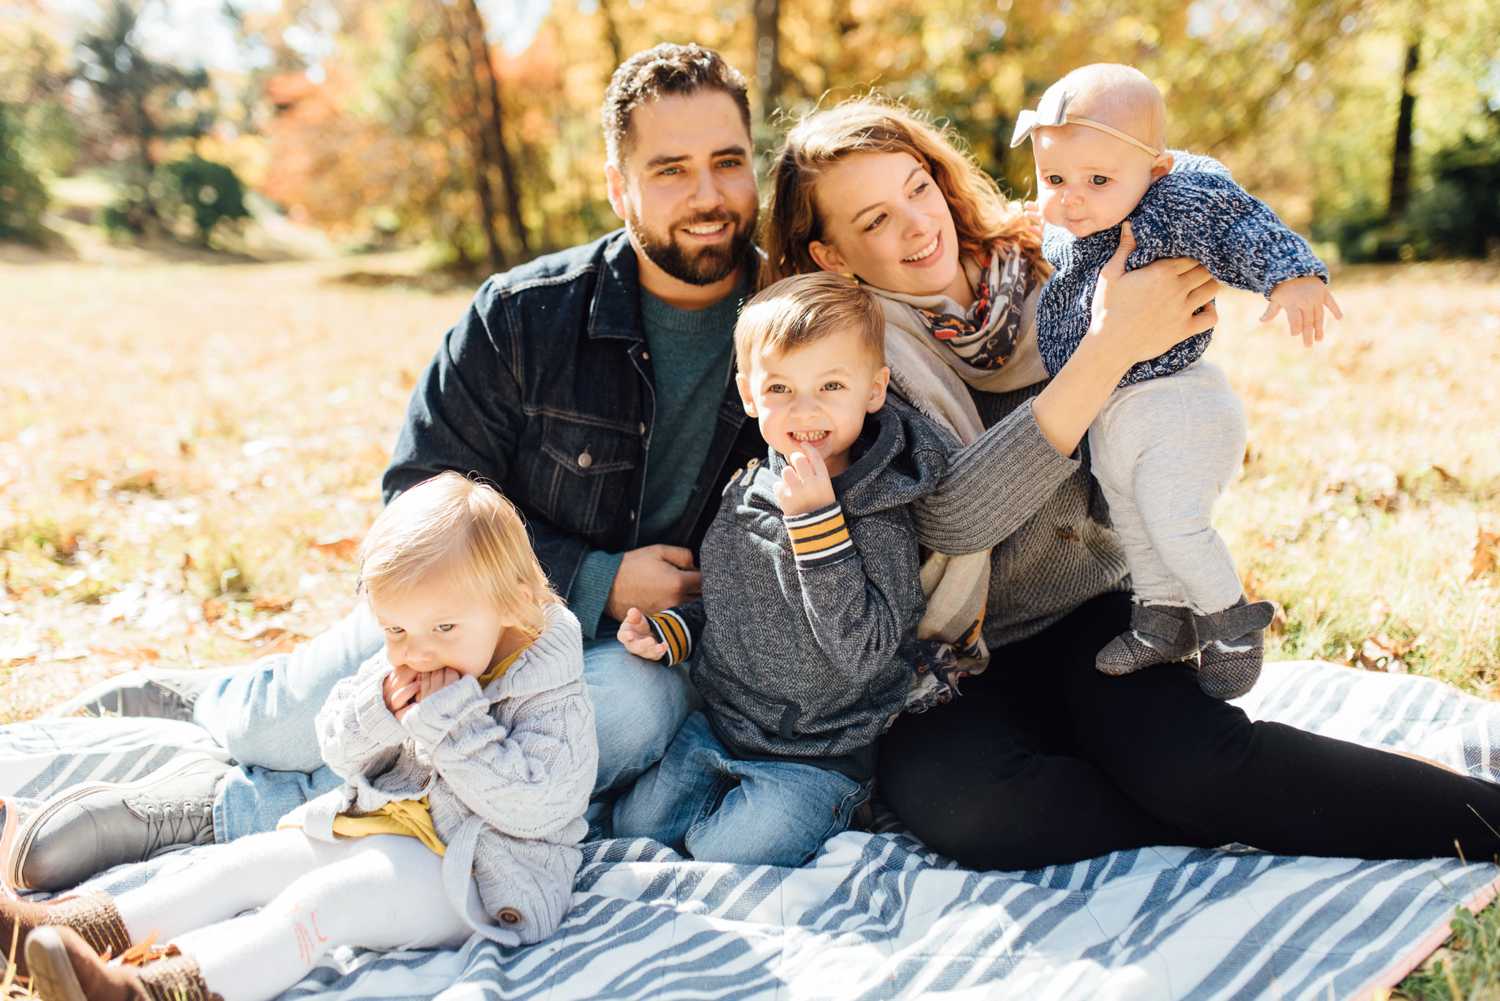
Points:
23	197
1454	212
210	192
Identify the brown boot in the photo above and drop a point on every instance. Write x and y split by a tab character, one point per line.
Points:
92	915
65	968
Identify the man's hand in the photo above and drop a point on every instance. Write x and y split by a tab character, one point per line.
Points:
805	485
653	579
404	687
1304	300
636	636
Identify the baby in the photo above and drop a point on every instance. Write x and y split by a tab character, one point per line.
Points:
1173	434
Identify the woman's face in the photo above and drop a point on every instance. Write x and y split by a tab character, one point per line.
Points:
885	219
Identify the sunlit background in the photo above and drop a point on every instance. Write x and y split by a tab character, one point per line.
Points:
340	124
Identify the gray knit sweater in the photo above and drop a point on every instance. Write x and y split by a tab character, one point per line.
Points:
508	772
797	646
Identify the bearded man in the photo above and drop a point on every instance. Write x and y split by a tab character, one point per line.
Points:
594	387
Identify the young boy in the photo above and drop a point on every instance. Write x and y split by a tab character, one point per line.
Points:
811	591
1170	438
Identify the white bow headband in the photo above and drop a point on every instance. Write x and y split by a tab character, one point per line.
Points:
1053	112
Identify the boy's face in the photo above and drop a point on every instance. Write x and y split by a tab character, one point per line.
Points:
815	397
1088	180
438	623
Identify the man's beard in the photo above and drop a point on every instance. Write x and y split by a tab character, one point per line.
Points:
708	264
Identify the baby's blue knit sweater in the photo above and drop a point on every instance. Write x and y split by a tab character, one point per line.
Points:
1195	211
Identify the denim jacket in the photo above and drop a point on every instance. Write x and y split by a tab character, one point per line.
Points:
544	388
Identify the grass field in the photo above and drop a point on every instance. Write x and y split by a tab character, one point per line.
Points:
190	450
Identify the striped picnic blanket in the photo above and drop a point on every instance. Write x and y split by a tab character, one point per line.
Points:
878	916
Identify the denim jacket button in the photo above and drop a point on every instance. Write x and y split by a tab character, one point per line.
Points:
632	514
646	355
585	460
643	427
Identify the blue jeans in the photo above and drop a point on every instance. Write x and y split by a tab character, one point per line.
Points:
715	808
264	715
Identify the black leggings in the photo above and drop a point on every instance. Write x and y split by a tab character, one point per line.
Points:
1044	760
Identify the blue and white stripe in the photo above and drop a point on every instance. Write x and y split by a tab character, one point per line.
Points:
878	916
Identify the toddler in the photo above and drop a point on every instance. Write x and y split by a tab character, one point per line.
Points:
468	749
1168	441
810	591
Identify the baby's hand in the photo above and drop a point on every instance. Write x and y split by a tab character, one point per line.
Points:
636	636
1303	299
805	484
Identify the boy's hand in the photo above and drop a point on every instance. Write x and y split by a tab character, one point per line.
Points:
1304	300
636	636
805	484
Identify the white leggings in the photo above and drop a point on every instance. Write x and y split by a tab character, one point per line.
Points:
383	892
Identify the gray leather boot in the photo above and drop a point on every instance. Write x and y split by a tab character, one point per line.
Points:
1233	647
87	829
156	692
1158	634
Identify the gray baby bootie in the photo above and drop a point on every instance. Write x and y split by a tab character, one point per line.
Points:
1233	647
1158	634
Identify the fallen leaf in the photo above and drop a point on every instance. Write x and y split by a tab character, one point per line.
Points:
142	480
339	549
271	603
1486	545
1378	653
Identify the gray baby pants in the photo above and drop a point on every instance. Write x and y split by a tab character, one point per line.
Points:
1163	450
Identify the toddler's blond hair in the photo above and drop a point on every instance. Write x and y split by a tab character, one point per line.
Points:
450	524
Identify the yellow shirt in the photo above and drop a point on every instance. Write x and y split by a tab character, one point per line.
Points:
410	818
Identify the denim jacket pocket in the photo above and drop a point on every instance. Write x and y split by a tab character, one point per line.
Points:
582	475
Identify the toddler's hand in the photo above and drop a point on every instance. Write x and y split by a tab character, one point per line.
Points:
1304	300
404	687
400	689
805	484
636	636
432	681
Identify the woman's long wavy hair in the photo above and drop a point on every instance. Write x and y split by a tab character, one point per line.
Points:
981	213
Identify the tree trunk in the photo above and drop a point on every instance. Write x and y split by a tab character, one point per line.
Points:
612	35
768	56
466	81
501	153
1400	196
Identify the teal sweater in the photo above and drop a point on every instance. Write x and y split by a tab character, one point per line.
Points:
691	353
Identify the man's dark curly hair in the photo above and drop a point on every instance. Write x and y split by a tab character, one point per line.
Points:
666	69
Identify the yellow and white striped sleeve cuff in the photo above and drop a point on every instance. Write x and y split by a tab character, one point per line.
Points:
819	537
671	629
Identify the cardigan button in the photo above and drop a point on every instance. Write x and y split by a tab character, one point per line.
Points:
585	460
509	916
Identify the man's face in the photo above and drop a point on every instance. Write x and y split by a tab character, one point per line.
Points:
686	187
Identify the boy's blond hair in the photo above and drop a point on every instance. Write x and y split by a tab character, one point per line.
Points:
453	525
798	310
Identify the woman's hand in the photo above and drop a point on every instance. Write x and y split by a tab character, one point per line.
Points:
1138	315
